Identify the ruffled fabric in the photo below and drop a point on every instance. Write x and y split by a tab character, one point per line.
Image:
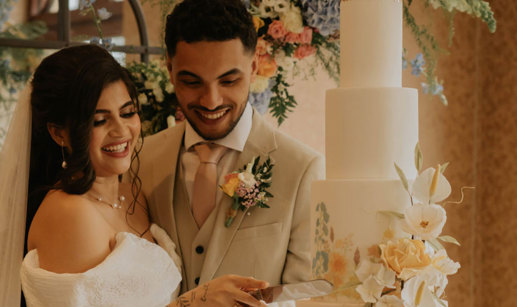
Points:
136	273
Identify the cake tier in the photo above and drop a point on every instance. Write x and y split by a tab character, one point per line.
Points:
347	224
367	130
371	43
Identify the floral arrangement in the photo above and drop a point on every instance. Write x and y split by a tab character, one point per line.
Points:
400	270
293	37
413	271
248	187
158	103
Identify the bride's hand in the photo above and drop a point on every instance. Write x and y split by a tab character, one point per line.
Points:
228	290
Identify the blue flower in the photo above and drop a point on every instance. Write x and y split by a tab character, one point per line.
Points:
322	15
260	101
434	89
85	4
417	65
105	43
95	40
404	62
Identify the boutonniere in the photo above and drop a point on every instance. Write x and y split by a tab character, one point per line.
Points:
247	187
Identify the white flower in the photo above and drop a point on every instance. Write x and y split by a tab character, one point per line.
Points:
171	121
169	88
427	193
247	178
259	85
383	275
149	84
424	221
158	94
142	99
267	11
292	19
281	6
104	14
416	293
287	63
389	301
370	290
444	264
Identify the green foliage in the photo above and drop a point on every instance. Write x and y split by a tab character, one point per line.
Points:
282	102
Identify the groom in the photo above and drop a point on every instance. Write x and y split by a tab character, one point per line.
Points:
210	48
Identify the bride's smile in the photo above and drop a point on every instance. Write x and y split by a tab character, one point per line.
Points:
115	131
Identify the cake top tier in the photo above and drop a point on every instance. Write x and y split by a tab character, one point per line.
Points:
371	43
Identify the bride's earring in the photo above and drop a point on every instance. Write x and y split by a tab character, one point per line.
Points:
63	164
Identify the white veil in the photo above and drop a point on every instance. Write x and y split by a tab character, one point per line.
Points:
14	178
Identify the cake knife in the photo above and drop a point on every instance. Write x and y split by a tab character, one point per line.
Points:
287	292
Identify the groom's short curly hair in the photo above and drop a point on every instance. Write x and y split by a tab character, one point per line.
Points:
210	20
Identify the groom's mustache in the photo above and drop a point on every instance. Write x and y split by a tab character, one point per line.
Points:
204	109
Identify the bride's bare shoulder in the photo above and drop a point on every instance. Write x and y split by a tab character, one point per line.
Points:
69	234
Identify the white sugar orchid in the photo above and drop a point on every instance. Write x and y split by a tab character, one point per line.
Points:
417	293
424	221
430	187
383	275
434	275
370	290
389	301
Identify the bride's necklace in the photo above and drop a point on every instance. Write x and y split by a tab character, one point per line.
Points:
115	205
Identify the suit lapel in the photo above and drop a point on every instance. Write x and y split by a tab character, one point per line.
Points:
261	142
163	177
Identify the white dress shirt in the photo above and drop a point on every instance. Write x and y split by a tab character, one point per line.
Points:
234	142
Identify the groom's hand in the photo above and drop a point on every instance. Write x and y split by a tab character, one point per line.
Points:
228	290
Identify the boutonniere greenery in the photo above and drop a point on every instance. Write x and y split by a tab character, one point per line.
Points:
248	187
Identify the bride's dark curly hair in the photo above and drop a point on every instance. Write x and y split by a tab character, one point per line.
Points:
65	90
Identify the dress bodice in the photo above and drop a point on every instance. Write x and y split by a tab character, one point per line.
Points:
136	273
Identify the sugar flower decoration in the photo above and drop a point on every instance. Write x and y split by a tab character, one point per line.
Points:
424	221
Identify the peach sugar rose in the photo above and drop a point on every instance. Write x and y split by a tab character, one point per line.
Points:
404	253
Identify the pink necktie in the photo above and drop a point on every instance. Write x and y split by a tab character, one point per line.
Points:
205	182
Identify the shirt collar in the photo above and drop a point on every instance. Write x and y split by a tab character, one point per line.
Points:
235	140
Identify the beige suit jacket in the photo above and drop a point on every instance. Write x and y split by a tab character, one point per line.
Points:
271	244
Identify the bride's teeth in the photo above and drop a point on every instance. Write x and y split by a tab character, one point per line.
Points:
116	148
213	115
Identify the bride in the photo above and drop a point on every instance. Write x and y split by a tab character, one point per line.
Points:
90	242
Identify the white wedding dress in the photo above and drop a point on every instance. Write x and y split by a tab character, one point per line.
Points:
136	273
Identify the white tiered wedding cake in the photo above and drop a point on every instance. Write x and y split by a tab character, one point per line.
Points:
371	123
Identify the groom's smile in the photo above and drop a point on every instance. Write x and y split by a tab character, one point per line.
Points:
211	81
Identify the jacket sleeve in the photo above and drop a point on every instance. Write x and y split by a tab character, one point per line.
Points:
298	265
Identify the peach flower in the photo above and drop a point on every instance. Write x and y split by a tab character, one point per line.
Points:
231	183
404	253
266	66
258	23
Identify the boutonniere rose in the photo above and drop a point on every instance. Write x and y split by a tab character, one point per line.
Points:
248	187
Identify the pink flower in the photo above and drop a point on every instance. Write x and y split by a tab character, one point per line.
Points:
304	51
277	30
292	37
306	36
